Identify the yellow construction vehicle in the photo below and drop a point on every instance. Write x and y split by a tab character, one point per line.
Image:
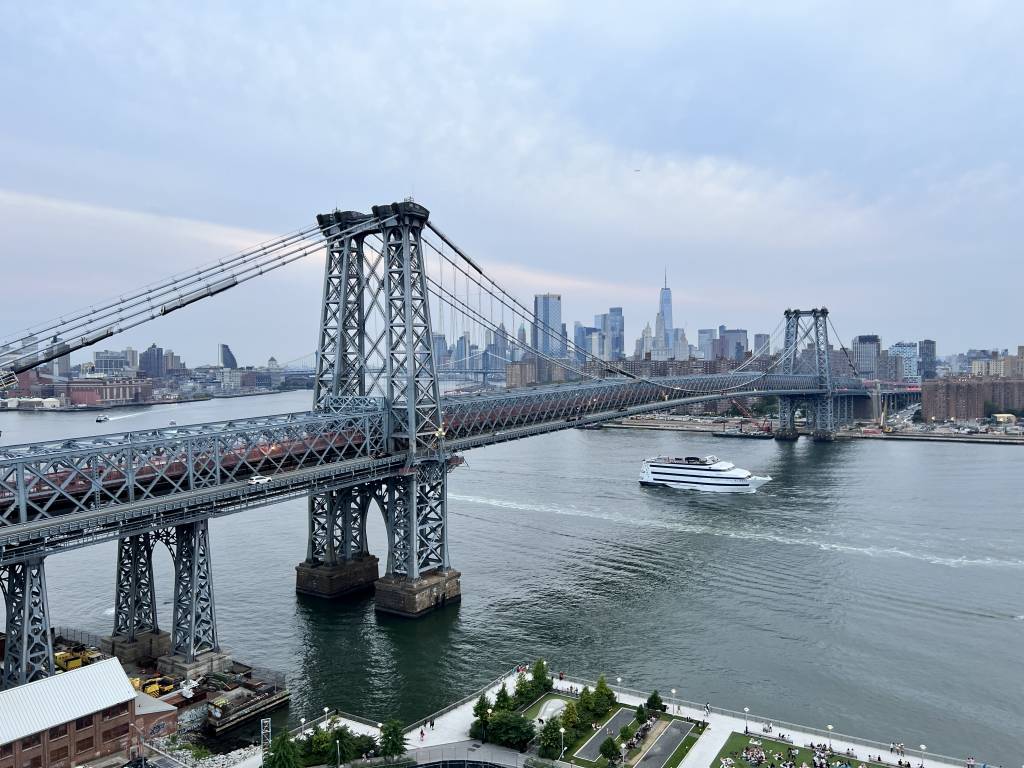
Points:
67	660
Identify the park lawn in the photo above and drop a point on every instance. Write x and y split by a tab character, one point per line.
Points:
532	712
738	741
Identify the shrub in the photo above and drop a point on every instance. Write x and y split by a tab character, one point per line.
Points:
510	729
551	738
654	702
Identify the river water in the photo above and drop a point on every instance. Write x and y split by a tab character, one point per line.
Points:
872	585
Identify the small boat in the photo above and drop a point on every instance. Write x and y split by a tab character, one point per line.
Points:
708	473
172	423
101	418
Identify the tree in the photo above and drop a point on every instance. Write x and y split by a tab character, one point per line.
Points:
624	733
610	750
551	738
320	745
641	713
283	753
510	729
346	744
604	699
502	701
524	691
570	717
482	705
392	740
541	678
654	702
587	712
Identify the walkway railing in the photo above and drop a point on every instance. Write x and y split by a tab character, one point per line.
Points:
464	700
760	720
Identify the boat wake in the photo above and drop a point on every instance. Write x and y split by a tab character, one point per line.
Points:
753	535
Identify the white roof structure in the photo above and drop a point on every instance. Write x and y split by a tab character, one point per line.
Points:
42	704
147	705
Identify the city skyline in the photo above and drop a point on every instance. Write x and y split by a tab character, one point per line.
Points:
864	186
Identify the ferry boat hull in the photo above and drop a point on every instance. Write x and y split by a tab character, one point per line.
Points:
706	474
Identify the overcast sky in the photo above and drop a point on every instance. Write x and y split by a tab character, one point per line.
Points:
864	156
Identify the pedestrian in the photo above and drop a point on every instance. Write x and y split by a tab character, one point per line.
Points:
422	734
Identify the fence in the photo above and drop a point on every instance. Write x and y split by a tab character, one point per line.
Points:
77	636
824	734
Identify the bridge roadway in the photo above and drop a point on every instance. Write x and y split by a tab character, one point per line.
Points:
69	494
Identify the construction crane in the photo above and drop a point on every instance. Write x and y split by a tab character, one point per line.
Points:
766	425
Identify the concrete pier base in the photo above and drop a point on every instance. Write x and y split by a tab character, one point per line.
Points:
151	644
786	434
349	578
415	597
210	661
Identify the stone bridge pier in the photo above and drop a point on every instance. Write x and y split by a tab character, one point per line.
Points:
418	577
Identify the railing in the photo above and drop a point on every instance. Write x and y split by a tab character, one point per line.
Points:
79	636
826	735
464	700
331	715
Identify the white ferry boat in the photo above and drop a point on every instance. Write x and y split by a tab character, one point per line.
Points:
702	474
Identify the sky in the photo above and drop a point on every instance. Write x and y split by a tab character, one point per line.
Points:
862	156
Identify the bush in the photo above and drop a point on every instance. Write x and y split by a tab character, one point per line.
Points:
510	729
283	753
478	730
610	750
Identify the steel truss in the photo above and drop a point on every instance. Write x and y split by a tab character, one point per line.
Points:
135	593
28	653
195	622
821	396
44	480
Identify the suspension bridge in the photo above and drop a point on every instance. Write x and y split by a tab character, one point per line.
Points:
381	432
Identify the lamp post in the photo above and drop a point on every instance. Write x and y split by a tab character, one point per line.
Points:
337	747
302	727
561	734
490	711
923	749
674	700
746	711
618	682
829	737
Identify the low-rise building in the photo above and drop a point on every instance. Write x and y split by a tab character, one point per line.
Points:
78	716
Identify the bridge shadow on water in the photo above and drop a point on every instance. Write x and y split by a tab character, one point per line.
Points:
370	664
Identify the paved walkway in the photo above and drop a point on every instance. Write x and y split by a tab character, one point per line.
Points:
453	726
665	745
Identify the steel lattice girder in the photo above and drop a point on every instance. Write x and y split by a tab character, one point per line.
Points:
44	480
412	376
340	350
195	621
135	593
28	653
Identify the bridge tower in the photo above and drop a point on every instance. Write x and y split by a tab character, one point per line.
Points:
821	406
375	342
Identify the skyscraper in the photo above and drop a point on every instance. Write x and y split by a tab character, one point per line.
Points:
706	342
225	359
762	343
908	351
612	325
926	359
866	351
151	362
547	327
665	308
734	342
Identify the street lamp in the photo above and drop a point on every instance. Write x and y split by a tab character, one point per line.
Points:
674	700
561	733
302	726
618	682
337	747
923	748
746	711
829	737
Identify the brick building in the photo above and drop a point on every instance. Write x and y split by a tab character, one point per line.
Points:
964	398
78	716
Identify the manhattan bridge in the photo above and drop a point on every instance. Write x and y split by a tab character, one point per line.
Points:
380	432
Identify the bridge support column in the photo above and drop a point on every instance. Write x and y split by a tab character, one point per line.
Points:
136	633
824	419
337	562
194	644
787	419
419	578
28	653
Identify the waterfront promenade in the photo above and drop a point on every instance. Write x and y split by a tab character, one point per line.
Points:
449	737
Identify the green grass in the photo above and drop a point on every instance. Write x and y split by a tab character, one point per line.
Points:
735	744
532	712
682	749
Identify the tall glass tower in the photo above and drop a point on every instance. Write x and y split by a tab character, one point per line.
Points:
665	307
